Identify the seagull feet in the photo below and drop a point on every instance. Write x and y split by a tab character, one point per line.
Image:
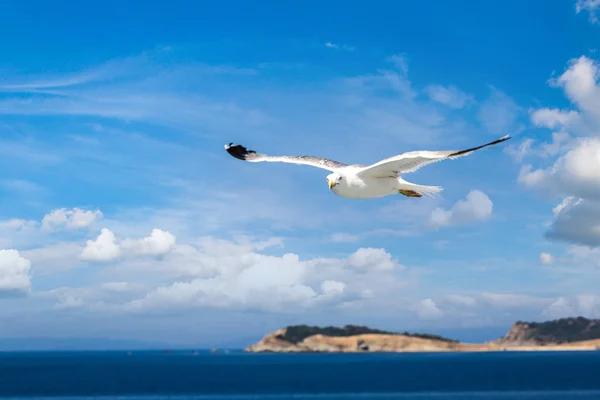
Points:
410	193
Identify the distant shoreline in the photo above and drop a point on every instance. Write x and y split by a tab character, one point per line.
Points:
567	334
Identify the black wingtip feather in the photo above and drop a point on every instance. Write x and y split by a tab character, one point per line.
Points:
461	152
238	151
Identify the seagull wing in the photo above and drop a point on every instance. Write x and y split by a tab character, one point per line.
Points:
241	153
412	161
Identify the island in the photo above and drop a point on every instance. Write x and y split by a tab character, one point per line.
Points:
562	334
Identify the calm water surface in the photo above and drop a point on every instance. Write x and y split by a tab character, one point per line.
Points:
185	375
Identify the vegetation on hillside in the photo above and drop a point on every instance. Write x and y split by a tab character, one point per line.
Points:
564	330
297	333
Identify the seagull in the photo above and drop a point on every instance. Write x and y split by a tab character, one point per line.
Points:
358	181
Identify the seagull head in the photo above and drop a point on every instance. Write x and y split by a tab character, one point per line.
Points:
334	179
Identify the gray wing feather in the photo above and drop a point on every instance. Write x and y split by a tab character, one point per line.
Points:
241	153
412	161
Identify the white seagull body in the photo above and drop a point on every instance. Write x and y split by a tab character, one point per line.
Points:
359	181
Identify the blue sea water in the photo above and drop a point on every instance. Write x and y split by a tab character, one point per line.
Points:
189	375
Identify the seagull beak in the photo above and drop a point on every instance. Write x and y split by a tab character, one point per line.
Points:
331	184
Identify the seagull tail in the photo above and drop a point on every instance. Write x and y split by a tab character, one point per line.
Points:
430	191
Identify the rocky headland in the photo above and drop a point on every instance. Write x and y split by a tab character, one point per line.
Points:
562	334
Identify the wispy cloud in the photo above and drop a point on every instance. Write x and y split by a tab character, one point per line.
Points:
450	96
499	114
141	88
339	46
590	6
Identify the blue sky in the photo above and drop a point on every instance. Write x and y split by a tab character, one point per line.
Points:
122	217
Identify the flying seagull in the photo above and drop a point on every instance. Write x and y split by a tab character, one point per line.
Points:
358	181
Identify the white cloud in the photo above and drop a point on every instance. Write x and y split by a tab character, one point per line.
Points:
520	152
577	173
579	83
75	218
106	247
235	275
546	258
332	288
135	89
15	274
576	221
426	309
339	47
158	243
477	206
589	304
366	259
553	118
103	248
561	308
117	286
560	144
590	6
499	113
450	96
15	233
586	305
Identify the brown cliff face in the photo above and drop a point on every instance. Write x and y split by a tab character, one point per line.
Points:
560	331
366	342
564	334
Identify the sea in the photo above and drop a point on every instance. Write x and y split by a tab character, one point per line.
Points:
233	375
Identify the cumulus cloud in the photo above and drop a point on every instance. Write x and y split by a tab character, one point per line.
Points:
561	308
546	259
450	96
580	85
366	259
586	305
517	306
103	248
553	118
576	221
577	173
576	177
106	247
477	206
158	243
236	275
426	309
15	273
72	219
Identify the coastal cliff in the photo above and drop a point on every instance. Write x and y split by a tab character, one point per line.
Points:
556	332
563	334
302	338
